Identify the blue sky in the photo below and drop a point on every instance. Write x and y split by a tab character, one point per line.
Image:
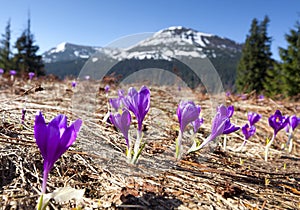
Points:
98	22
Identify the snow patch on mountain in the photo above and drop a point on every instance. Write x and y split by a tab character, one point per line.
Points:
59	48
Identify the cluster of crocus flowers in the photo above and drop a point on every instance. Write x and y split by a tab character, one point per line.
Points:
277	121
249	129
187	112
53	140
220	125
137	102
293	122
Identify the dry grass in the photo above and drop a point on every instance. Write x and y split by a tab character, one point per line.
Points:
208	179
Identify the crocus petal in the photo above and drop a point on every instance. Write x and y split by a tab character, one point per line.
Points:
189	113
138	103
106	88
180	107
293	122
41	133
197	123
230	111
223	111
253	118
248	131
125	121
120	93
219	121
144	99
272	122
53	142
69	136
77	125
115	103
229	127
122	122
277	121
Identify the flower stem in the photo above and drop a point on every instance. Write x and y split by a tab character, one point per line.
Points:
129	150
268	146
178	145
137	146
225	142
45	178
290	142
242	145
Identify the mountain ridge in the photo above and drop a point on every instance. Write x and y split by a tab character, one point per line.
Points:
174	41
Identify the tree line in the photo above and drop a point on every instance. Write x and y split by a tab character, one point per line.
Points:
258	71
25	59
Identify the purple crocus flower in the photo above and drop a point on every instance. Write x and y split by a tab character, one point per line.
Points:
187	112
106	88
221	124
138	103
293	122
261	97
31	75
253	118
12	72
197	123
248	131
228	93
115	103
73	84
53	140
277	121
122	122
1	71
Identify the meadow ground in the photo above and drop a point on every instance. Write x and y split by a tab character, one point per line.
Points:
208	179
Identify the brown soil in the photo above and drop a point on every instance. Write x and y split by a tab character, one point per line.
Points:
208	179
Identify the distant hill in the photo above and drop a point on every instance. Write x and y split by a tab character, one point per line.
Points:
224	54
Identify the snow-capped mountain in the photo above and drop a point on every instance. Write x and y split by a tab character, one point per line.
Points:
171	42
180	41
66	51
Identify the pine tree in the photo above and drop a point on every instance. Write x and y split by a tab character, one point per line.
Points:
5	49
256	58
273	81
291	63
26	57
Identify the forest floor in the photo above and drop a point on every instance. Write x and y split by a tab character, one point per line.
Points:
212	178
